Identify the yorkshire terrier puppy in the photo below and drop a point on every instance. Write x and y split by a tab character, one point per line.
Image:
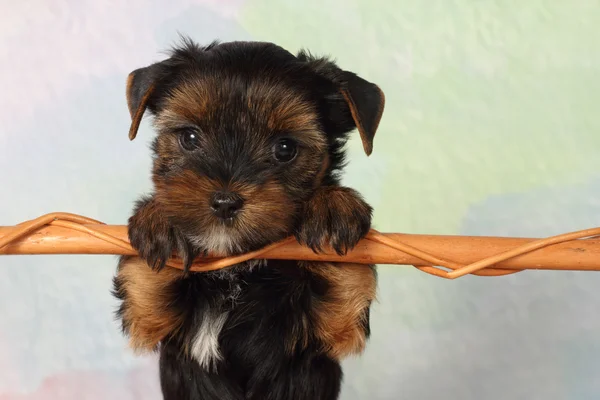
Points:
249	151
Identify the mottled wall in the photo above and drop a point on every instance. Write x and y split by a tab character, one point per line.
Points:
491	127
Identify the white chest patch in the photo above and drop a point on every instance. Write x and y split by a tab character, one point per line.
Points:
205	348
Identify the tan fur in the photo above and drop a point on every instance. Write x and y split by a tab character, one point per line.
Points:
136	119
288	112
186	193
270	200
281	108
190	101
146	310
128	88
202	101
340	316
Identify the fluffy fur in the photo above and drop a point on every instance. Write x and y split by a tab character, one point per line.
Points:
260	330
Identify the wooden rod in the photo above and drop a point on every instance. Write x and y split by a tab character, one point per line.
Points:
581	254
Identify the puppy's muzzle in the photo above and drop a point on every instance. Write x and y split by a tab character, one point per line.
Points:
225	205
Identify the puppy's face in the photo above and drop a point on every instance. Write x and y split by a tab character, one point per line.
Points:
246	133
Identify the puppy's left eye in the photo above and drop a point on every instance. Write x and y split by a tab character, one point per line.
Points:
189	140
285	150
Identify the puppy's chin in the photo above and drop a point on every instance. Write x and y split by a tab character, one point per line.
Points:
225	239
221	240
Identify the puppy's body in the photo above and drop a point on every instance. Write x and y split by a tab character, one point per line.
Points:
274	332
248	152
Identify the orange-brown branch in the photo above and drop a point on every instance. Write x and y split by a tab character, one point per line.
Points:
61	233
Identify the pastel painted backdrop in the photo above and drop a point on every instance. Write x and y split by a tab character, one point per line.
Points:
492	127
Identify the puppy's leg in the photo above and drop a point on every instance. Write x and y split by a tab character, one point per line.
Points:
146	295
155	238
338	217
182	378
341	315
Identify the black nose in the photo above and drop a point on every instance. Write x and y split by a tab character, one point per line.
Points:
225	204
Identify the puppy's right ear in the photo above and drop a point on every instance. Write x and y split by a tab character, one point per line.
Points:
141	85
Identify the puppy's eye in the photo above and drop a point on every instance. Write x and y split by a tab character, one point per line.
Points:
189	140
285	150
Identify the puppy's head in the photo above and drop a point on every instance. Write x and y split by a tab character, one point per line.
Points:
246	133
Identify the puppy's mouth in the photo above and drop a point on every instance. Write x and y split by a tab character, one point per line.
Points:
238	234
227	222
231	220
220	239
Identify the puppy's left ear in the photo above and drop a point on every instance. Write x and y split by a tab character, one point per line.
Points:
366	102
141	85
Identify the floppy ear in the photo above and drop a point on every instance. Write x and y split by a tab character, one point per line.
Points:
366	102
140	88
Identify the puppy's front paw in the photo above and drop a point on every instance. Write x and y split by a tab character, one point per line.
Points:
155	239
335	217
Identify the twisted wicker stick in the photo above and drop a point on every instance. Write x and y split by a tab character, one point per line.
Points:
13	240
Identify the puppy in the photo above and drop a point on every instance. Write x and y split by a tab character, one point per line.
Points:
249	151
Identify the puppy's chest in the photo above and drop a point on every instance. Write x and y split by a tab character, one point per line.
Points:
212	318
240	301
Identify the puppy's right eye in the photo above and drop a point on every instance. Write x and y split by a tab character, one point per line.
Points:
285	150
189	140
